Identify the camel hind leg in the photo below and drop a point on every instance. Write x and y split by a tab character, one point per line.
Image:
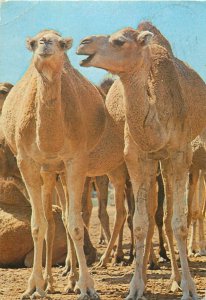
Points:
159	216
101	184
118	178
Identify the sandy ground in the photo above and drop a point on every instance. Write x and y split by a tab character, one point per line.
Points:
111	283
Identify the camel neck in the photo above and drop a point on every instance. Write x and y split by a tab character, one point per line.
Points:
49	115
141	114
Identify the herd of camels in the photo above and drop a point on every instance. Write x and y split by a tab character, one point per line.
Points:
145	134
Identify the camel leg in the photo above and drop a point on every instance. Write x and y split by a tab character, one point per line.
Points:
168	187
177	169
159	217
202	243
102	237
30	172
101	185
75	182
151	210
131	207
89	250
142	172
119	254
87	202
192	242
202	207
193	180
117	178
62	192
47	192
73	274
153	264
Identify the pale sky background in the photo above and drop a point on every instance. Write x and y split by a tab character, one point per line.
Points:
183	24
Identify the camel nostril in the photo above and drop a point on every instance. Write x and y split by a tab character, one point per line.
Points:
86	41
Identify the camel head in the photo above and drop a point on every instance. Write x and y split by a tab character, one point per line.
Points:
48	49
116	53
5	88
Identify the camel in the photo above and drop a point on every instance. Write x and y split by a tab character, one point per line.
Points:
15	211
196	194
54	132
101	185
165	108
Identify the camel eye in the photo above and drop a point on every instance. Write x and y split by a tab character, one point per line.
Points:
118	42
2	92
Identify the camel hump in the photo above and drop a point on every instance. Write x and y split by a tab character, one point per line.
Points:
158	37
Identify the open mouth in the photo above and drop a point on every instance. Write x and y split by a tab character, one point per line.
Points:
87	60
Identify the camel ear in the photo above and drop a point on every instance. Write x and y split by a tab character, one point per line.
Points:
30	43
66	43
145	37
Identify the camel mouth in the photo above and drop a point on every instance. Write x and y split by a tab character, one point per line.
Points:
45	55
85	61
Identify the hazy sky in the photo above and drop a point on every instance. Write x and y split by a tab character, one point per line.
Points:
183	23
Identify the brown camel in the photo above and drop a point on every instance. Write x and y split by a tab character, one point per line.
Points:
16	245
53	131
165	109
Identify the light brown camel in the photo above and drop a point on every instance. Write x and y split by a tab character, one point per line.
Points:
16	245
165	104
53	131
101	184
196	194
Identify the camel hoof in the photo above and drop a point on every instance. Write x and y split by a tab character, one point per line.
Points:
136	298
173	286
119	259
91	258
77	291
186	298
201	253
95	296
100	265
83	297
38	295
163	255
50	290
65	271
102	242
191	254
25	296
